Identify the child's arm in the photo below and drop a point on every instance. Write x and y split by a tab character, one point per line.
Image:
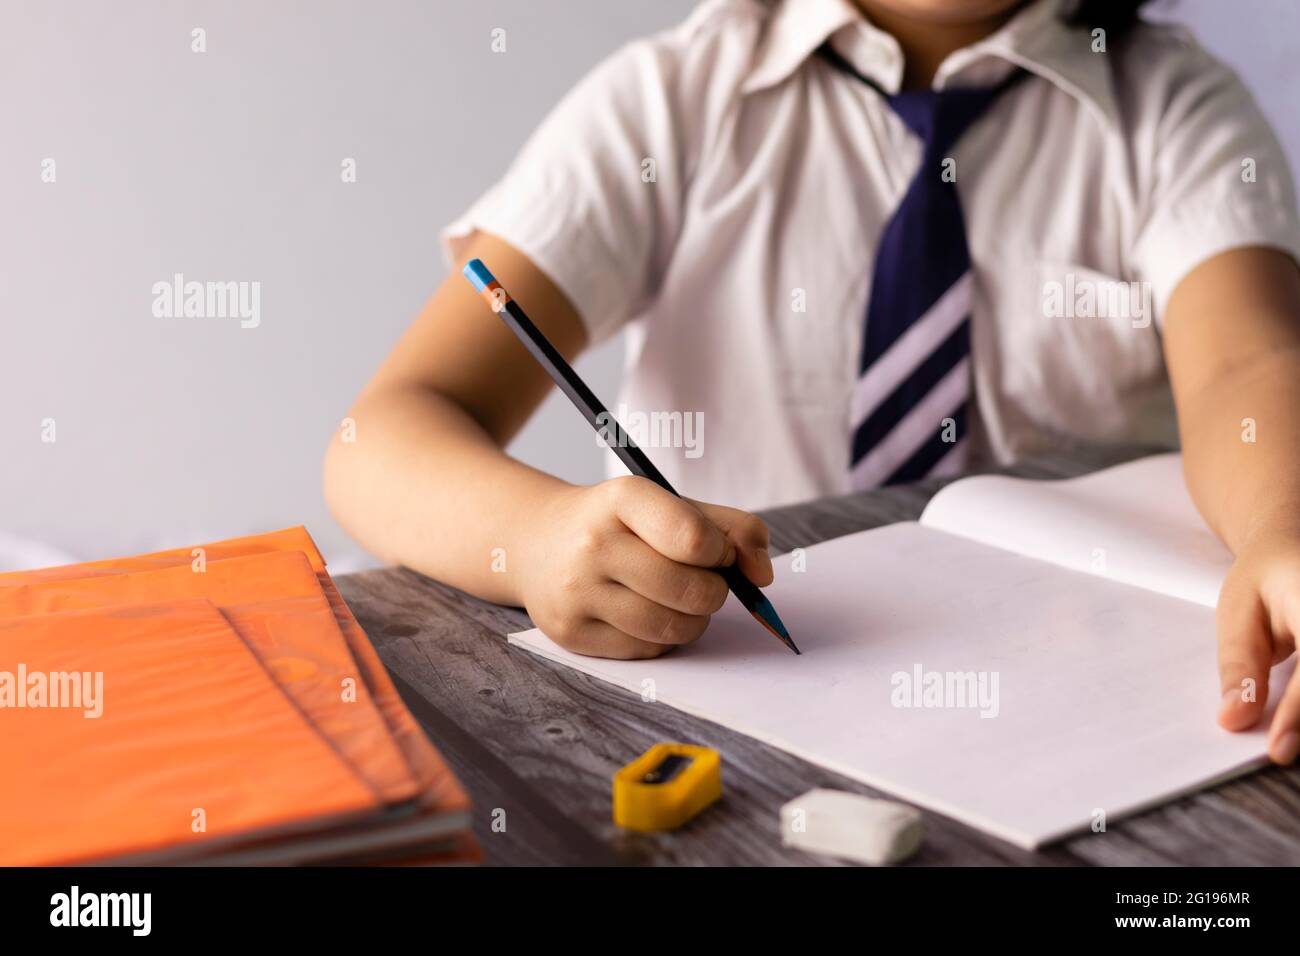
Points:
614	570
1232	342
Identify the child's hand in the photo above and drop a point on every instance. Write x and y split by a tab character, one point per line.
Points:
619	569
1258	620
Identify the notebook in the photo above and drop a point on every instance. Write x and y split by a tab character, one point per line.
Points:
154	726
1031	658
275	603
441	792
273	596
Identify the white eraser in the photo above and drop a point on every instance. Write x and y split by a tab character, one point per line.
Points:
851	826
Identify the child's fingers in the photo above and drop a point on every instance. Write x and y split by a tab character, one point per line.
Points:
691	590
749	534
594	638
1245	655
1284	735
640	618
673	526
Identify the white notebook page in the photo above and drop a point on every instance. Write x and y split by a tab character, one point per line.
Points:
1105	695
1134	523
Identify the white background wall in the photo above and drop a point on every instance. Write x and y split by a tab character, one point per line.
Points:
225	166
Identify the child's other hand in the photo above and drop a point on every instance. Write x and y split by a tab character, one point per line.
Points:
1258	620
621	569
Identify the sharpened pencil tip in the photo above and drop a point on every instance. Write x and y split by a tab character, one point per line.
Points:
766	615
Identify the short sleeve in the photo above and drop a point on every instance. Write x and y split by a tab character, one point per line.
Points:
594	197
1218	178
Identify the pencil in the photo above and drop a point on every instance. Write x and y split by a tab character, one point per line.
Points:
600	419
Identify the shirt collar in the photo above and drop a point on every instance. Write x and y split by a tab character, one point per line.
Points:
795	29
1035	39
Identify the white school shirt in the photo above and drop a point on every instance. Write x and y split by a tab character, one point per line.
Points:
719	190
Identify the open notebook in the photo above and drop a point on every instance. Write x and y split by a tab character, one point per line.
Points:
1032	658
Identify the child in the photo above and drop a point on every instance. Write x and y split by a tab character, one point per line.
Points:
866	242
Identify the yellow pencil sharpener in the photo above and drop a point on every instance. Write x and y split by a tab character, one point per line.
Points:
666	786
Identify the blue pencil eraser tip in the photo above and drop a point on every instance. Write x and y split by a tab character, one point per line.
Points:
478	274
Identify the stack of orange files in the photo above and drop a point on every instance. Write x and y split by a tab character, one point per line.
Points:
217	704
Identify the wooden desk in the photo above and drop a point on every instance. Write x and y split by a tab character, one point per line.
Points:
541	742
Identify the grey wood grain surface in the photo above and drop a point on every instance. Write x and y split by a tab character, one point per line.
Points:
536	744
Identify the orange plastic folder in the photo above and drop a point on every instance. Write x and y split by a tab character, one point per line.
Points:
439	787
276	605
276	598
157	727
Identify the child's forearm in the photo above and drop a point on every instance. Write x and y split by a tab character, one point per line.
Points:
1241	448
420	483
1232	341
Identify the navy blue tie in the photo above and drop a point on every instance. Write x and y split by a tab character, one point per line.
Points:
911	399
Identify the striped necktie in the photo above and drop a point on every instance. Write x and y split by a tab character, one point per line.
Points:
911	399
